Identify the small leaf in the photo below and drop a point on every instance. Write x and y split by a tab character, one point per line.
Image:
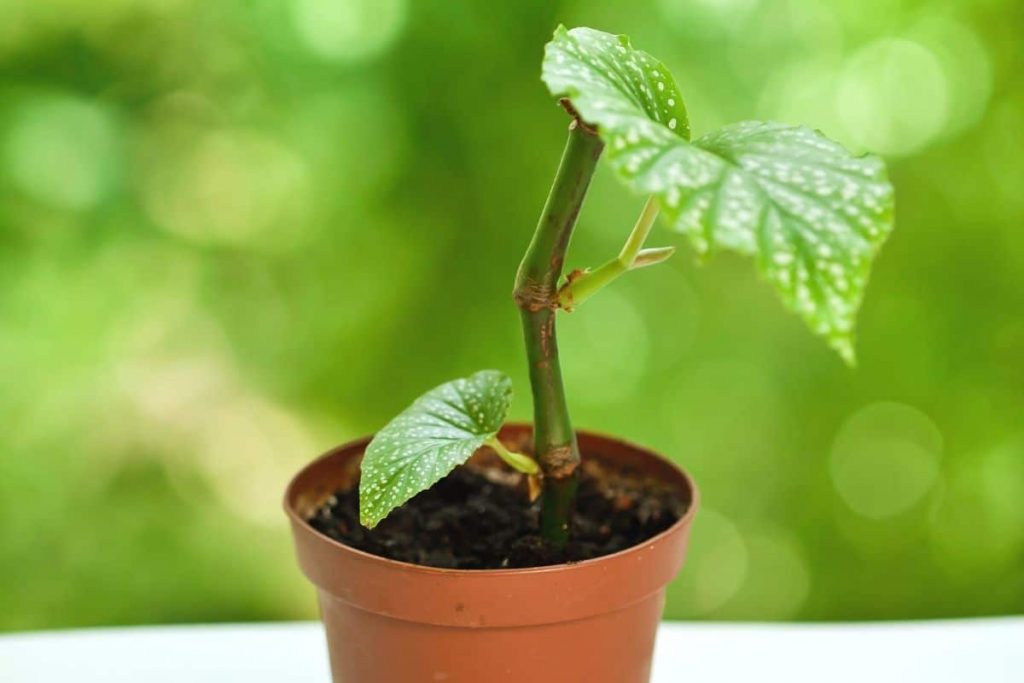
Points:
812	214
439	431
652	256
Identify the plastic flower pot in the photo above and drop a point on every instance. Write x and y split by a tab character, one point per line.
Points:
391	622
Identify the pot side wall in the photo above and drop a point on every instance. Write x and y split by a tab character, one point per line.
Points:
393	622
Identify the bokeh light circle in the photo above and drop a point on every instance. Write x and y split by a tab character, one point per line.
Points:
778	579
978	526
707	15
248	447
893	97
966	63
606	350
885	459
348	30
226	186
718	562
62	150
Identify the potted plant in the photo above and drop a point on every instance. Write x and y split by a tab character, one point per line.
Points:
511	553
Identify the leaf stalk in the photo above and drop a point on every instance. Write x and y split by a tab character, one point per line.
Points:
517	461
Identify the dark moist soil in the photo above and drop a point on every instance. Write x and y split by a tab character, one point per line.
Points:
481	518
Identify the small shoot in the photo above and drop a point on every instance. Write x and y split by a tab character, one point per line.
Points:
581	285
438	432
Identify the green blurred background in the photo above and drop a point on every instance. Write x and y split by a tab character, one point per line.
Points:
235	233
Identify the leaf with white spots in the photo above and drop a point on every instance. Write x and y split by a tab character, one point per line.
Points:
615	86
419	447
812	214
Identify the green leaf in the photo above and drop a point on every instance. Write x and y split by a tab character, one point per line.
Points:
613	85
812	214
439	431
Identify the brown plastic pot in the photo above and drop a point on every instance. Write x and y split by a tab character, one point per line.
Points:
393	622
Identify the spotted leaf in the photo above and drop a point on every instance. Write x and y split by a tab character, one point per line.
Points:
419	447
614	85
812	214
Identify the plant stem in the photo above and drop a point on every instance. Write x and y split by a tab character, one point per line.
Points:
642	228
536	295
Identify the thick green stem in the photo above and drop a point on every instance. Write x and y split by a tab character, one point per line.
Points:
536	295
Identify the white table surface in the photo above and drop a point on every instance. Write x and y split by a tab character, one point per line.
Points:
965	651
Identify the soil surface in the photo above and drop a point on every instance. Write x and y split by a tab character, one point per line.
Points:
480	517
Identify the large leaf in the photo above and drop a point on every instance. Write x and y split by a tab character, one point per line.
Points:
439	431
811	213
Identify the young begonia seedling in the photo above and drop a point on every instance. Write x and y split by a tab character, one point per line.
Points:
810	213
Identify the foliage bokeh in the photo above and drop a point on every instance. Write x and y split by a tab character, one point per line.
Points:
235	233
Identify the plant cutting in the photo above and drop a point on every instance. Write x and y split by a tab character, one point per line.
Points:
454	547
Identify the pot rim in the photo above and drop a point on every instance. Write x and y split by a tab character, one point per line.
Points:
385	562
